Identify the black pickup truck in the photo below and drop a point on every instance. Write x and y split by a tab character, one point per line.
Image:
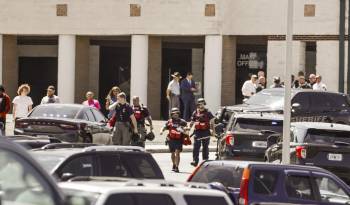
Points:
324	145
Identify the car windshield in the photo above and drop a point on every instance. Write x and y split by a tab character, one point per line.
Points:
326	136
271	99
229	176
244	124
55	111
48	162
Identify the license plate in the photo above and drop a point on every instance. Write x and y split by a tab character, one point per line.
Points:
259	144
335	157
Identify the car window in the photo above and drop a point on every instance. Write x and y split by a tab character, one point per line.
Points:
299	187
99	117
264	182
20	183
78	166
139	199
302	99
245	124
331	191
337	100
113	166
204	200
228	176
89	115
326	136
319	102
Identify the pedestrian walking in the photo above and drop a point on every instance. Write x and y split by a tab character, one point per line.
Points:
173	91
249	87
295	83
141	114
111	99
303	84
90	101
5	106
125	124
22	103
276	82
50	96
188	88
203	121
312	79
176	127
261	84
319	85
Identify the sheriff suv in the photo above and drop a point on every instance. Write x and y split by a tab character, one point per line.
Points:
324	145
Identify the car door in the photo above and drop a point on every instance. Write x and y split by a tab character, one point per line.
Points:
23	181
103	134
330	189
92	122
301	107
78	165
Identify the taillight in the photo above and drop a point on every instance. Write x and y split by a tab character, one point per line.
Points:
300	152
195	171
21	124
229	139
68	127
243	195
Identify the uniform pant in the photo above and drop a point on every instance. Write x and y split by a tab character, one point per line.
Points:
121	133
189	107
197	146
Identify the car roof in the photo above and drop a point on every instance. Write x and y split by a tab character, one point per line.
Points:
258	115
288	166
231	163
321	126
55	105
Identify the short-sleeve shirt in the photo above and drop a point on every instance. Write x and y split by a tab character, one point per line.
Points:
123	112
174	87
53	99
22	105
201	118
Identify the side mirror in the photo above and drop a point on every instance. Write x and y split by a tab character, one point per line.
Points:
67	176
273	139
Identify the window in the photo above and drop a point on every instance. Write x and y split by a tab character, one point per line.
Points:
112	166
140	199
302	99
326	136
90	116
79	166
299	187
338	101
331	191
204	200
265	182
245	124
319	102
99	117
20	183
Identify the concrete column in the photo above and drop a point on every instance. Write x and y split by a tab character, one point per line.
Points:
327	63
276	59
94	69
1	46
139	67
197	67
212	71
228	93
81	68
155	71
10	64
66	68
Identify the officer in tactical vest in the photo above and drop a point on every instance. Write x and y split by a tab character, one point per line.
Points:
203	122
176	127
141	113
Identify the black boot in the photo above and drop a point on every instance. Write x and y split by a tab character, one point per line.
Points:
176	170
194	163
174	167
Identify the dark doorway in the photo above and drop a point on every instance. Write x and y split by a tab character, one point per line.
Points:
114	71
39	73
173	60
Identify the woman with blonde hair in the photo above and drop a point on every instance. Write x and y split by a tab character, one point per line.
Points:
22	103
111	99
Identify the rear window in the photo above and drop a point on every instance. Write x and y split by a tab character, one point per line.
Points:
228	176
243	124
140	199
264	182
204	200
326	136
55	112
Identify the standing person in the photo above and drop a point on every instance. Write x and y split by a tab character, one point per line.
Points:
22	103
319	85
312	79
112	98
261	74
50	96
188	87
295	83
303	84
173	91
203	121
176	127
90	101
276	82
249	87
124	114
141	113
261	84
5	106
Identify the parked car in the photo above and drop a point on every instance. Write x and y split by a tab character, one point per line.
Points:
307	105
65	162
30	142
292	184
66	122
142	192
246	135
23	181
324	145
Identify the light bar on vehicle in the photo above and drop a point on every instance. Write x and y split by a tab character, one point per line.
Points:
114	148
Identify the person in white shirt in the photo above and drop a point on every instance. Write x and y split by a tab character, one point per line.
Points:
319	85
173	91
22	104
50	97
249	87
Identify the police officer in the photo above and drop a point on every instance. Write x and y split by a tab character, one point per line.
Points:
124	114
141	113
176	127
203	121
276	82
